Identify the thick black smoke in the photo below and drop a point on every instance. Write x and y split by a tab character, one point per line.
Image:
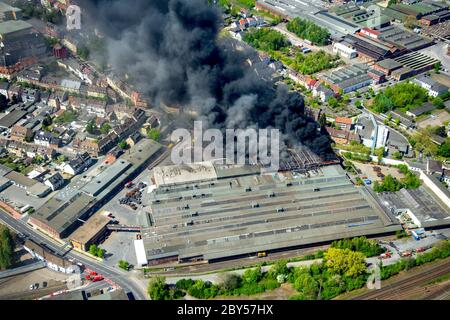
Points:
170	49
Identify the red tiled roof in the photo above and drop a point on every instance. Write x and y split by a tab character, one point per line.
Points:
344	120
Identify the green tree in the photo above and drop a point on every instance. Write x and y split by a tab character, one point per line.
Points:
437	67
410	22
333	102
47	121
123	145
83	53
280	267
231	281
93	249
307	286
444	149
251	276
100	253
123	265
157	288
90	127
308	30
97	251
6	248
153	134
379	153
105	128
397	155
266	39
345	262
439	103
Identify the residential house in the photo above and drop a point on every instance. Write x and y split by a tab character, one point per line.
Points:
344	123
30	95
21	133
4	85
51	260
55	181
434	88
14	90
321	91
342	136
133	139
56	98
78	164
47	139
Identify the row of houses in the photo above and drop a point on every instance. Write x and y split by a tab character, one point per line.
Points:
118	133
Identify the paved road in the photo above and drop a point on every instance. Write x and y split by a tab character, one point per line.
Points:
120	277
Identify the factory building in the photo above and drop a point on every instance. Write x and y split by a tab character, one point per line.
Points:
19	43
348	79
64	212
344	50
234	211
413	63
309	10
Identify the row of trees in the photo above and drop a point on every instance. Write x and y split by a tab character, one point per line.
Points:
92	128
308	30
313	62
440	251
6	248
422	140
343	269
391	184
37	11
404	95
97	251
367	247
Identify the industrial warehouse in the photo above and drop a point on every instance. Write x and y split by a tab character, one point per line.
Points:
233	212
61	215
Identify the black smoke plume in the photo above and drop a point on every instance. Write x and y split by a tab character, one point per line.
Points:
171	50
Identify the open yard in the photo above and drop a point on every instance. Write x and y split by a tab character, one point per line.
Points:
437	119
284	292
367	170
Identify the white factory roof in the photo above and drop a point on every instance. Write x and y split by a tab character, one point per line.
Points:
140	252
184	173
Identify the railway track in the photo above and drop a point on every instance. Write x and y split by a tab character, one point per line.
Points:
413	284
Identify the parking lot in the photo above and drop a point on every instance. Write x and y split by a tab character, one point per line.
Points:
367	170
437	119
125	215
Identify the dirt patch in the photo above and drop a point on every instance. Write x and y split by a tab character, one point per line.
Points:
284	292
438	119
18	287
